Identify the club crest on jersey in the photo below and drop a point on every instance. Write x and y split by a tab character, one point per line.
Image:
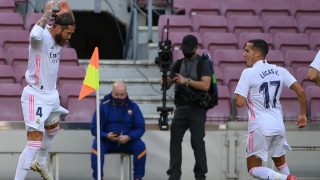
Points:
38	121
130	112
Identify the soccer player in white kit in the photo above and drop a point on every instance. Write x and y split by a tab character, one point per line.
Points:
314	71
260	87
40	99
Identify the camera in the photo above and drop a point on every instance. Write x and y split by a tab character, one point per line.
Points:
164	59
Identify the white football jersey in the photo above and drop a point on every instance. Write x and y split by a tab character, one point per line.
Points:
316	62
262	85
44	58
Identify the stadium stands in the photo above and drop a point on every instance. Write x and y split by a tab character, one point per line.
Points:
6	74
2	57
207	23
315	41
309	24
70	75
176	24
299	58
221	26
68	57
275	57
17	56
239	24
273	8
214	41
7	6
305	7
228	57
231	77
179	6
13	38
290	104
244	37
291	41
10	20
19	73
235	7
80	111
219	75
31	20
10	109
302	76
276	24
203	7
221	112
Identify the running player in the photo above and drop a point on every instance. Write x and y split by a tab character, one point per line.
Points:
40	99
260	87
314	71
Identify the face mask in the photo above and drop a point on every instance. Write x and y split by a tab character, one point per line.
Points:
119	102
187	55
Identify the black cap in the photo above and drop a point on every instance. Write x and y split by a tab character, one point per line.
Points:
189	42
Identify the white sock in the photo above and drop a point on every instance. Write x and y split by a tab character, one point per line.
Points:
45	147
284	169
265	173
26	158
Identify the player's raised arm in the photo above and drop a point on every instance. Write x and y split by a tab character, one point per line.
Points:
64	8
47	13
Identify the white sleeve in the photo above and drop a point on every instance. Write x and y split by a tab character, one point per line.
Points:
243	85
316	62
36	35
288	79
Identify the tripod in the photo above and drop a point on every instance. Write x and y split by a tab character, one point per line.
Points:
164	110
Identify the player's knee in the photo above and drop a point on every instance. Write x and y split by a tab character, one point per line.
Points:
53	119
35	145
34	135
53	129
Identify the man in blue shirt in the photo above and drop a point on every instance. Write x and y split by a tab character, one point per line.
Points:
122	126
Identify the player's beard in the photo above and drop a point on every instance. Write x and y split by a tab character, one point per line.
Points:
59	39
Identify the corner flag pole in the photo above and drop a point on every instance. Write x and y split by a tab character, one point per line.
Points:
90	84
98	135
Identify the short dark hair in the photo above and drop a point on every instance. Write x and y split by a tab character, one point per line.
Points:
261	45
65	20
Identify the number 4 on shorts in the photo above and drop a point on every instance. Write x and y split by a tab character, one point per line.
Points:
39	111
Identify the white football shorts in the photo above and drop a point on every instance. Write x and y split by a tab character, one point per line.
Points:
37	107
260	145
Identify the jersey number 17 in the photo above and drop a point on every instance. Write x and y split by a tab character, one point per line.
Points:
265	88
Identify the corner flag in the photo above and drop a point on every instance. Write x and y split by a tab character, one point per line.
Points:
91	84
91	81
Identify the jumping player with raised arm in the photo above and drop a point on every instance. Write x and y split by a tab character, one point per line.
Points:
314	71
40	99
260	87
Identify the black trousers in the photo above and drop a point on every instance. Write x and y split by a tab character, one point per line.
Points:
193	118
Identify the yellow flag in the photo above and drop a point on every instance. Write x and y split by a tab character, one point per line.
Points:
91	81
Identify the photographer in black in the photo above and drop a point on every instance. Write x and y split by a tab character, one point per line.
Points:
191	89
